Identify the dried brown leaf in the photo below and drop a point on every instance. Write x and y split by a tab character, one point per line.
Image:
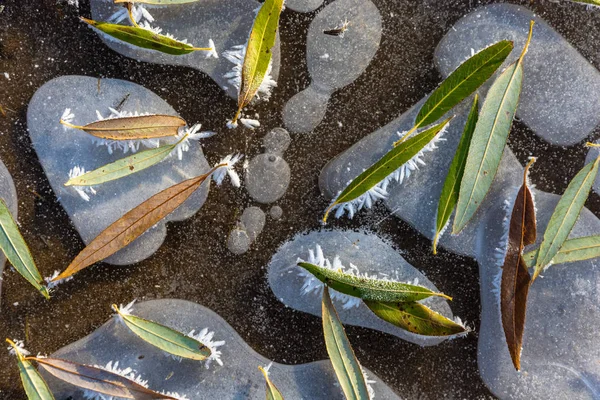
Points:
136	127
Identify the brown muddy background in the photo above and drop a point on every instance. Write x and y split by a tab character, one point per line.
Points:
43	39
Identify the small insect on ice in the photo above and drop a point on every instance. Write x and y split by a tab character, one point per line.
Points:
338	30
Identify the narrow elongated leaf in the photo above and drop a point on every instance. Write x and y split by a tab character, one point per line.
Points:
579	249
489	140
35	386
565	215
17	252
144	38
165	338
158	2
258	52
272	392
346	366
449	195
136	127
135	222
97	379
516	280
387	164
415	317
461	83
589	2
367	288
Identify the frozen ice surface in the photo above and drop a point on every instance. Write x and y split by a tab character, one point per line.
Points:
370	254
267	178
238	378
276	212
593	153
561	89
238	241
253	219
8	194
347	57
60	150
276	141
226	22
303	5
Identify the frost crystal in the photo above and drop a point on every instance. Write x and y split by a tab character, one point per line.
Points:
236	56
227	169
138	11
51	283
81	190
21	346
206	338
114	368
124	310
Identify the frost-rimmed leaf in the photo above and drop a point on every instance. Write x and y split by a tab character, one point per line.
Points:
135	222
386	165
416	318
97	379
565	215
449	195
17	252
489	139
164	338
572	250
35	386
134	127
145	38
368	288
258	52
346	366
587	2
272	393
516	280
123	167
158	2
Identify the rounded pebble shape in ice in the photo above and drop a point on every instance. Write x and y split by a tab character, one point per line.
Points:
253	219
239	241
226	22
276	141
8	194
60	150
334	61
276	212
561	89
371	255
267	178
303	6
238	378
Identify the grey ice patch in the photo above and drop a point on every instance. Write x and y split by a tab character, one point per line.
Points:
371	255
238	378
276	141
8	194
226	22
303	6
348	57
60	150
247	230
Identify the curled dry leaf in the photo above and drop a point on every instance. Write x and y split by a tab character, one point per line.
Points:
516	280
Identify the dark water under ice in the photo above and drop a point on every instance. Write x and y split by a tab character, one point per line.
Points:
43	39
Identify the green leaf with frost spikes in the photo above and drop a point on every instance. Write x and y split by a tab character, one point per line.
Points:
35	386
461	83
449	195
572	250
144	38
415	317
157	2
565	215
387	164
346	366
588	2
367	288
165	338
16	251
272	392
489	140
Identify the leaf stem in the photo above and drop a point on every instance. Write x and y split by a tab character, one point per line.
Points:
236	116
406	135
527	43
328	211
130	12
65	123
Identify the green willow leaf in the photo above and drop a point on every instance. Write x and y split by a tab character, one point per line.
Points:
572	250
346	366
387	164
33	383
489	140
449	195
588	2
124	167
565	215
272	392
164	338
158	2
145	38
258	52
16	251
415	318
367	288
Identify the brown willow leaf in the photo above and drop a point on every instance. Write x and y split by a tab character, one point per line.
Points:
137	127
135	222
515	276
97	379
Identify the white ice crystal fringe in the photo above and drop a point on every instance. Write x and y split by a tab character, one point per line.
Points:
369	382
124	310
67	117
236	56
175	395
21	346
228	170
138	11
213	52
206	338
379	191
250	123
51	284
82	191
187	135
113	366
